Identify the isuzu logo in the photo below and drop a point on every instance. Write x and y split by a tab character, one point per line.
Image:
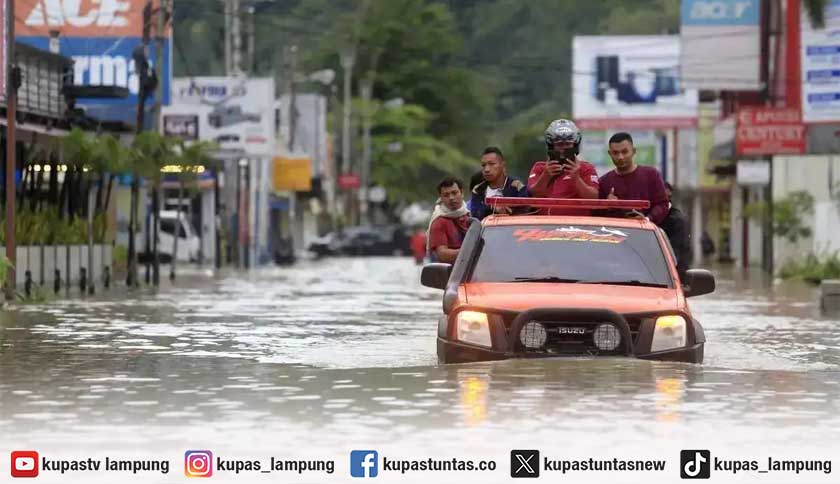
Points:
564	330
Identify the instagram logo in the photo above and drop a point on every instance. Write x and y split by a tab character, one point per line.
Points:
198	463
24	463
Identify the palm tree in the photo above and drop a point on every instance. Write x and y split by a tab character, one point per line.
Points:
189	158
82	152
152	151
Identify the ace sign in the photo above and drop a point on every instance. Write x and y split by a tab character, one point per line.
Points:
769	131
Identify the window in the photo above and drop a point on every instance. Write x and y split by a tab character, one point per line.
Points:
571	252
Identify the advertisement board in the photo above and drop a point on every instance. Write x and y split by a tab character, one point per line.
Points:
235	113
721	44
820	54
769	131
184	126
99	36
630	81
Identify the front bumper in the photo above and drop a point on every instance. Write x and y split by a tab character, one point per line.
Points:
636	337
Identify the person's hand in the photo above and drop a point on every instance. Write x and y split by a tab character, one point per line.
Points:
503	210
554	168
636	214
572	168
612	195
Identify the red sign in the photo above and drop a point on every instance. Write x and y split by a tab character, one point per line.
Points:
82	18
769	131
348	182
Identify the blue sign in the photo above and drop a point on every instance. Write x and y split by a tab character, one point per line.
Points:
106	61
720	12
364	463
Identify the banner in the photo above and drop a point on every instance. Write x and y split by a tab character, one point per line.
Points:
99	36
235	113
630	81
721	44
769	131
820	54
291	174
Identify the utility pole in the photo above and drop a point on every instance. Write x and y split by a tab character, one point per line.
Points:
11	145
163	14
228	20
252	67
292	96
140	66
236	34
366	87
348	59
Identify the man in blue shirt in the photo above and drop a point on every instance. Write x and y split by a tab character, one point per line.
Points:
496	183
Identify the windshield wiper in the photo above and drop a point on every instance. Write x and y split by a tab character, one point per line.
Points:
627	283
544	279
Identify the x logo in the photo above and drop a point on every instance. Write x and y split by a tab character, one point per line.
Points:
524	463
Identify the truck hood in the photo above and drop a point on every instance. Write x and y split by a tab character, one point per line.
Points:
524	296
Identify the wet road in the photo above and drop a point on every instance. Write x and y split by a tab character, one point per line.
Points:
336	355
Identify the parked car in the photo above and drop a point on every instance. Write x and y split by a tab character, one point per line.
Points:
189	243
535	286
364	240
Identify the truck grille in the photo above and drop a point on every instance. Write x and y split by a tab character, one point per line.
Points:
568	338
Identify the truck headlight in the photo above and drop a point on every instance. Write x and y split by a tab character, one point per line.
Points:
472	327
669	333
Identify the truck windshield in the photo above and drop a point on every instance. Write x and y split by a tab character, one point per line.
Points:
572	253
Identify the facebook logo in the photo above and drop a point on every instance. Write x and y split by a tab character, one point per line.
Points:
364	463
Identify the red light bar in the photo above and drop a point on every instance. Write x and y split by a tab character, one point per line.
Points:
590	203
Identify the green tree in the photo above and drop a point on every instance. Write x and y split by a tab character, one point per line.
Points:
407	160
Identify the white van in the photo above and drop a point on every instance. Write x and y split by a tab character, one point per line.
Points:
188	242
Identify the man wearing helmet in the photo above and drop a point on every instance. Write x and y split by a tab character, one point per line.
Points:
563	174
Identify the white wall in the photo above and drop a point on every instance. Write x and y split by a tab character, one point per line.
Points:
816	174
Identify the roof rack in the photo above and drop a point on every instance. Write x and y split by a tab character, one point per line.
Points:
590	203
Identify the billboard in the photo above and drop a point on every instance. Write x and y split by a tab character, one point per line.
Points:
235	113
630	81
721	44
769	131
820	54
99	36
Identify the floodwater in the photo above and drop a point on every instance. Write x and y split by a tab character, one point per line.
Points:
314	361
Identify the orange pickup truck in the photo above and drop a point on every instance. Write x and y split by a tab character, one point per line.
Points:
527	286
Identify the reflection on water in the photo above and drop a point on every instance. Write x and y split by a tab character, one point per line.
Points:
343	351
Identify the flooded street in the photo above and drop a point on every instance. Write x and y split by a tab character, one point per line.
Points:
339	354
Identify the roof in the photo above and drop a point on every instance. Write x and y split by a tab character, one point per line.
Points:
505	220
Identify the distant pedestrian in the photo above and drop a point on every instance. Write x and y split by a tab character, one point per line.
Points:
418	246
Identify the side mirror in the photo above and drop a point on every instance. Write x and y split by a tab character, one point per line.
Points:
436	275
699	282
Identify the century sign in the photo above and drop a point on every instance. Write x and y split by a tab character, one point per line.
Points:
769	131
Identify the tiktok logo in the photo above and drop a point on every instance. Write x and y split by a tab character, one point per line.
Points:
695	464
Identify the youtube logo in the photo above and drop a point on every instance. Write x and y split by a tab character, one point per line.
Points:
24	463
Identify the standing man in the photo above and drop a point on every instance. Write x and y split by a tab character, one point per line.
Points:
629	181
676	227
564	174
450	221
496	183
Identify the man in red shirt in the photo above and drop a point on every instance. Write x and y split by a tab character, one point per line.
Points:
450	221
564	174
629	181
